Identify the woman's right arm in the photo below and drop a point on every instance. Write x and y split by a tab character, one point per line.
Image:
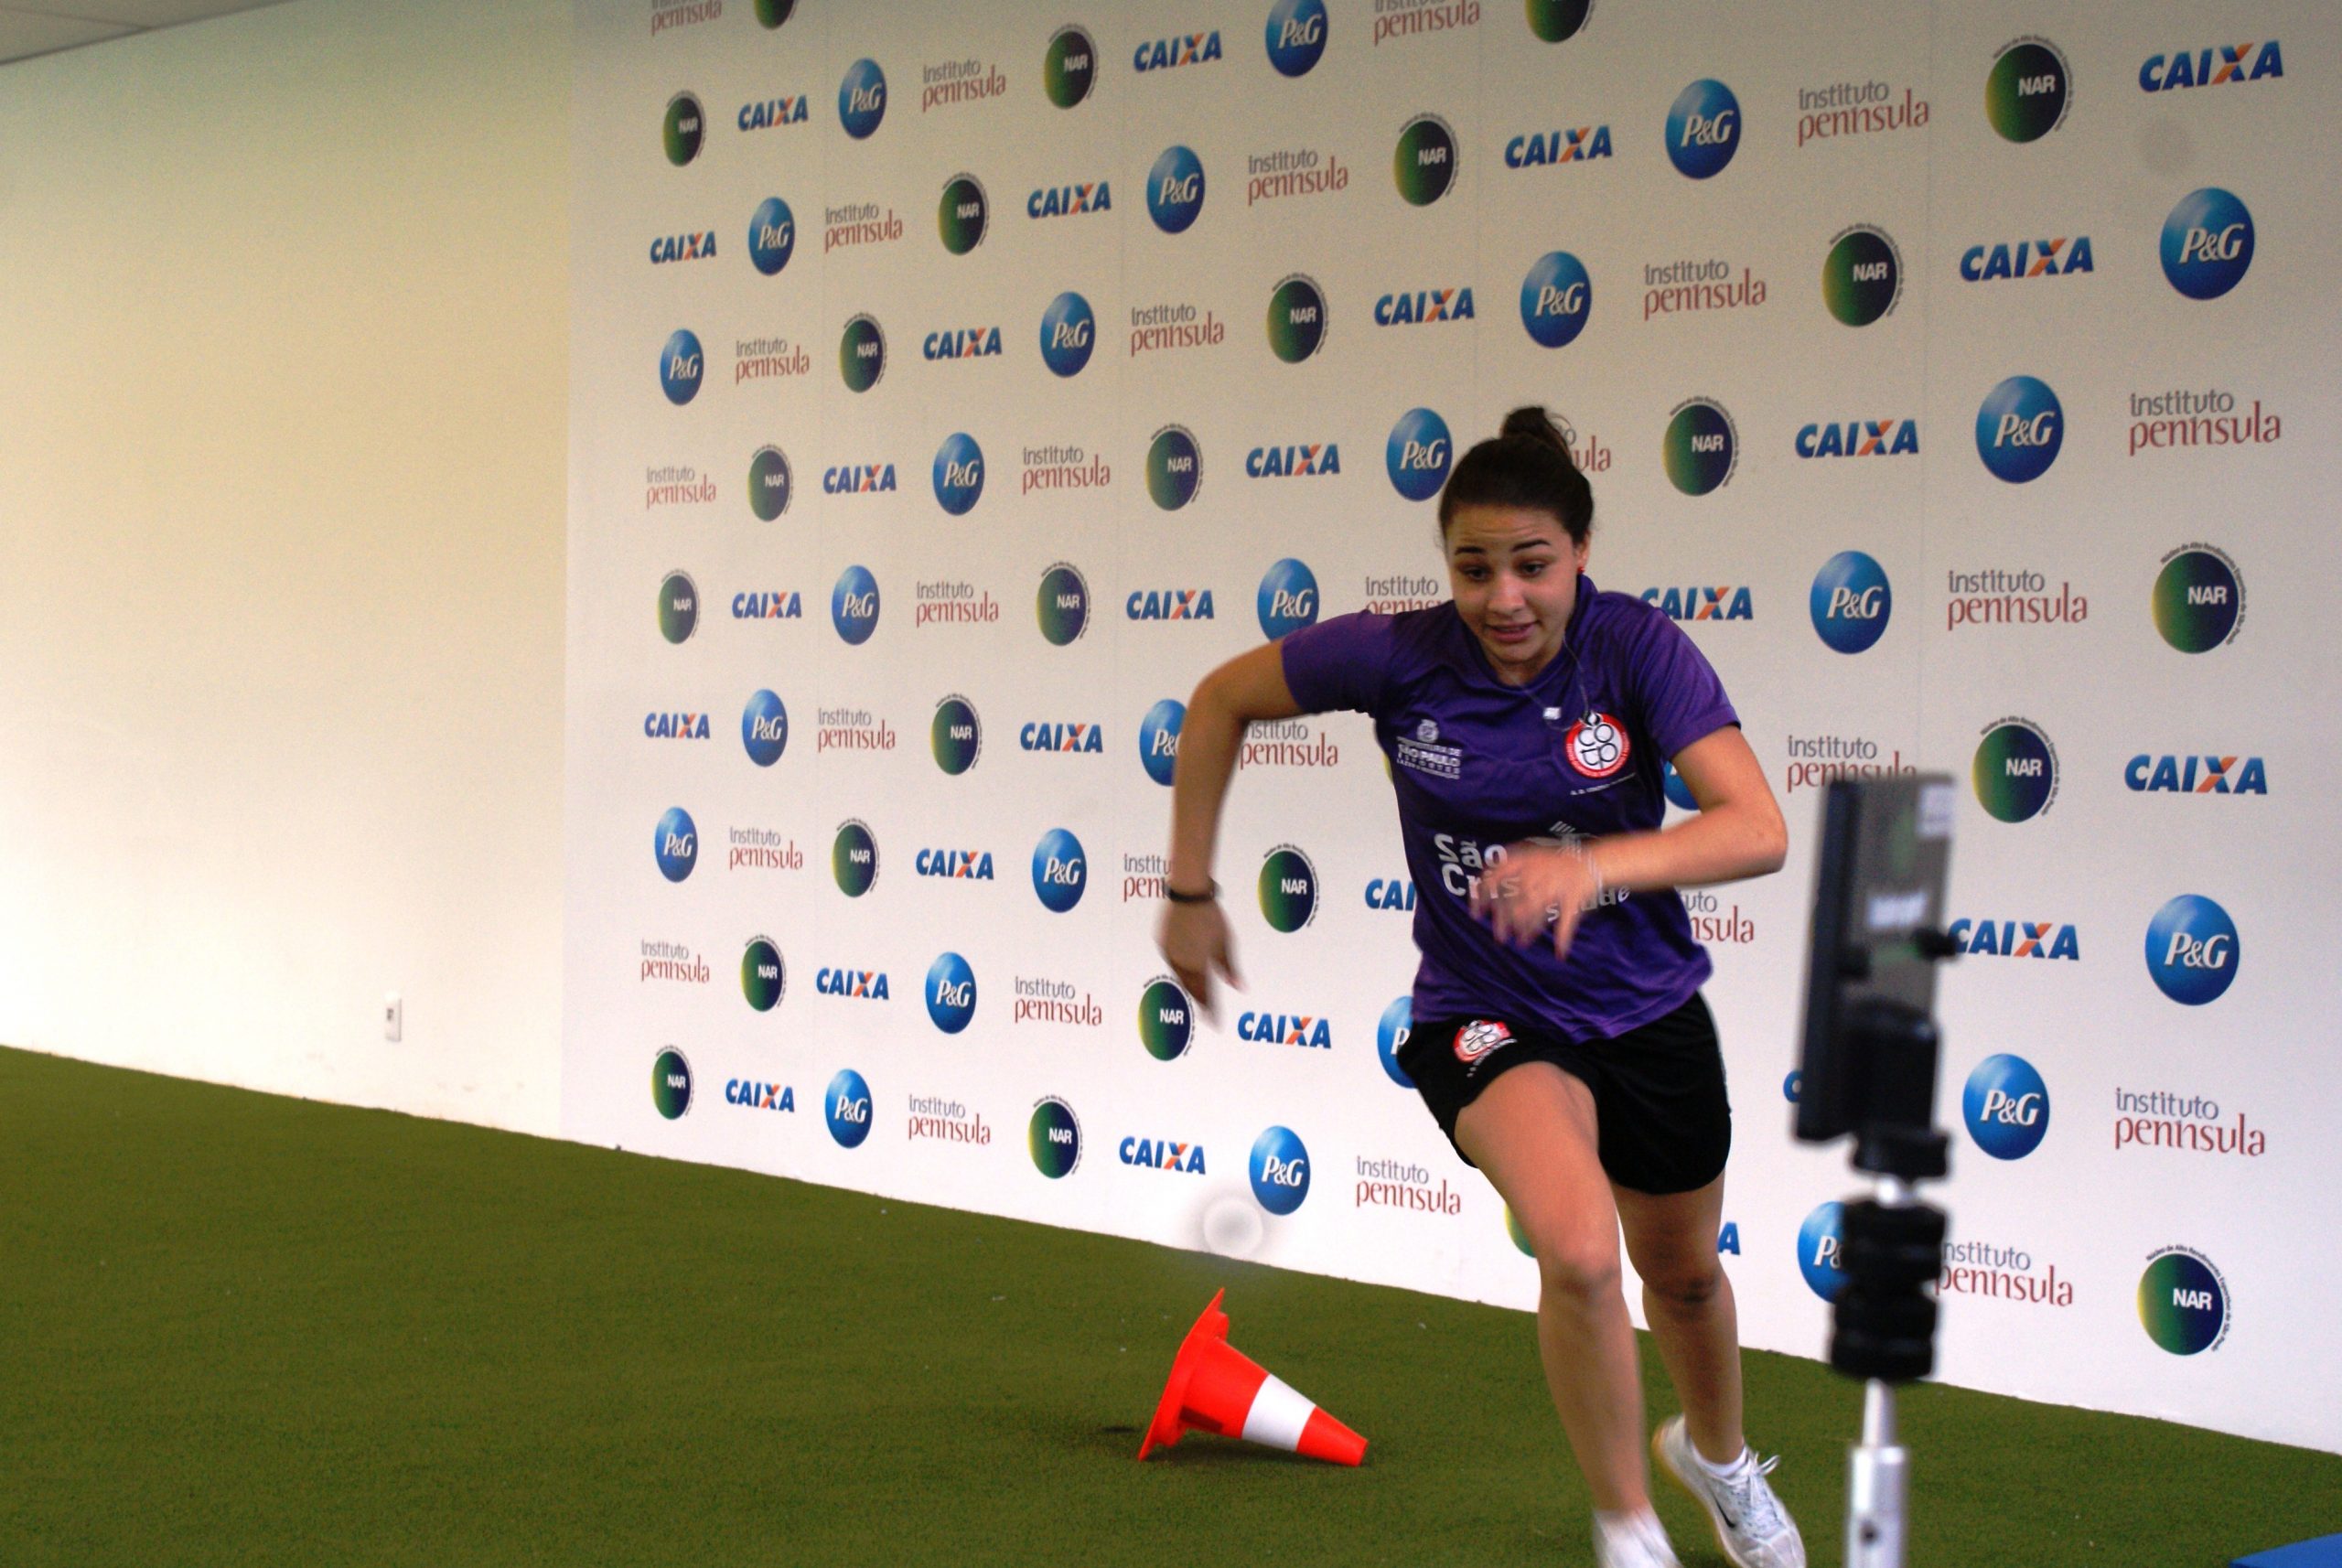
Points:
1194	935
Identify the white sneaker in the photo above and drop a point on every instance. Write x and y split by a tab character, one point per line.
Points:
1751	1526
1640	1542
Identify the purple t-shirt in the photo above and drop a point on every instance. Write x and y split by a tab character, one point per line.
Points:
1577	753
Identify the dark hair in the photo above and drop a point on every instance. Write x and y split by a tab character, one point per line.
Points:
1525	464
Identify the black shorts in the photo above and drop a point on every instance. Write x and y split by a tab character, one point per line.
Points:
1661	1115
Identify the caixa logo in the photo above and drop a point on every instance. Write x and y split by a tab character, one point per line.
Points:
1702	129
951	992
858	985
2206	243
858	479
772	604
1860	438
680	366
853	604
959	473
2027	259
671	1083
1068	332
2193	952
1390	1033
763	113
1287	599
1166	1019
2016	939
1041	736
1168	604
1175	189
2198	774
1162	1154
684	248
1425	305
1536	149
1280	1170
1294	462
1556	300
763	729
675	843
1158	740
674	726
1061	871
1070	201
845	1105
2019	428
2006	1107
1850	602
1191	48
1295	36
1395	894
2222	64
1818	1242
862	99
1287	1029
954	864
1702	603
772	236
1417	454
962	343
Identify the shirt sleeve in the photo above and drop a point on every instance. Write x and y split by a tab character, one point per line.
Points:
1682	699
1341	662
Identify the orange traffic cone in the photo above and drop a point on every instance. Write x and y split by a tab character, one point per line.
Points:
1215	1387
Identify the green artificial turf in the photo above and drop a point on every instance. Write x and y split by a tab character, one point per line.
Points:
242	1329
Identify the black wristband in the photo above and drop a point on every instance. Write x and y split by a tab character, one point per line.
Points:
1206	896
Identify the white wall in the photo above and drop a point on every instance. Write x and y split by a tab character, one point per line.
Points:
282	484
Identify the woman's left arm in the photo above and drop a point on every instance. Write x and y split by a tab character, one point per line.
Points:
1737	834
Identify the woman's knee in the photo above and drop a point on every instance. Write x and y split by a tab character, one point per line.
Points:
1686	1285
1576	1264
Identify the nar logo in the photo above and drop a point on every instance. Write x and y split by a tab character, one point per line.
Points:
1293	462
1287	1029
1065	200
2016	939
1423	306
1169	604
773	606
1195	49
1558	147
868	478
1062	737
684	248
694	726
1162	1154
868	984
969	865
1860	438
2211	67
769	112
2198	774
2026	259
1700	603
962	343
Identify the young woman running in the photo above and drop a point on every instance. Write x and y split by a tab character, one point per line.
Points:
1560	1038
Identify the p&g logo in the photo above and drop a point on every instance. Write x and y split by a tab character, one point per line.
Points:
1159	739
1818	1242
951	992
1556	300
680	366
1068	332
2019	428
1417	454
1850	602
853	604
1061	871
862	99
2007	1106
1295	36
764	729
1280	1170
675	843
1702	129
2206	243
1288	598
845	1105
1175	189
959	473
772	235
2193	952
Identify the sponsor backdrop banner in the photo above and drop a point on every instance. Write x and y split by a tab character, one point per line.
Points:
953	386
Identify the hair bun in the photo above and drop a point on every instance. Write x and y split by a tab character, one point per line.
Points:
1531	422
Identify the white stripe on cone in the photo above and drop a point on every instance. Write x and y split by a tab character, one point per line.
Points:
1278	1414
